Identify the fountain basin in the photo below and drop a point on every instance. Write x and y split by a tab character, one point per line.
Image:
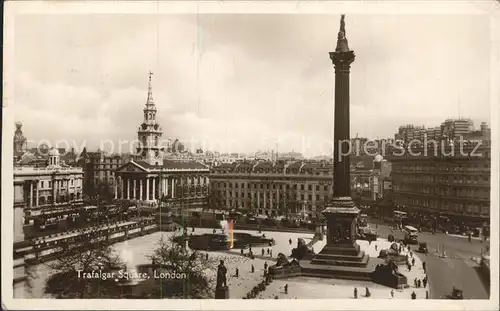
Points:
220	241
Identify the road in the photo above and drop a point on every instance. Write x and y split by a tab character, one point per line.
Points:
456	270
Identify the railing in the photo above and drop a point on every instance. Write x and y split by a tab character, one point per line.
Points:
29	170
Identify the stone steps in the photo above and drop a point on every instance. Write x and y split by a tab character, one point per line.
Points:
342	261
358	257
337	272
346	250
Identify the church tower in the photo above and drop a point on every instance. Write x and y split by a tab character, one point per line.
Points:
150	132
19	139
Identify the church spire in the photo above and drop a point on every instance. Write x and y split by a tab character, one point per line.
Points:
150	100
342	45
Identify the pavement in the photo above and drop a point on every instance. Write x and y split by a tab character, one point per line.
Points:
459	269
443	273
316	288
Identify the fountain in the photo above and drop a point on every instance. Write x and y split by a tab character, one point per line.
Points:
128	277
225	239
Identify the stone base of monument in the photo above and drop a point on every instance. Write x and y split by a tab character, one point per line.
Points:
341	255
222	293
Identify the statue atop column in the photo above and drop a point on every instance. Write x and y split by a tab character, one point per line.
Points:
342	45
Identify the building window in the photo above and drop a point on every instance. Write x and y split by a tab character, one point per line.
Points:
310	187
41	184
302	197
310	197
317	188
301	187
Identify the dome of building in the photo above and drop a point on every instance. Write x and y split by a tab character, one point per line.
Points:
53	152
378	158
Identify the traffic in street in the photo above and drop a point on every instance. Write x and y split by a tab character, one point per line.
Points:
458	268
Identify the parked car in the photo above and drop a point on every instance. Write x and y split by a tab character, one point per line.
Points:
422	248
455	294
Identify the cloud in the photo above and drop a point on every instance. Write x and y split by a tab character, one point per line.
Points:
244	82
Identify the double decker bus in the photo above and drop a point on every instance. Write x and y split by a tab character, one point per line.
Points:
400	218
411	235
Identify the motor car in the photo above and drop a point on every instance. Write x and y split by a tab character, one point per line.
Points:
422	248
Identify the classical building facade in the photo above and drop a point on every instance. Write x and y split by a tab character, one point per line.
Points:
40	189
297	187
452	182
269	188
151	178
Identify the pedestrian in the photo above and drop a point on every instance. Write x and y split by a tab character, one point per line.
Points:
409	267
419	283
413	262
206	256
409	249
253	269
271	253
214	231
415	282
262	252
424	282
241	251
265	265
286	288
376	247
411	254
392	293
355	293
413	295
426	294
237	272
367	292
423	265
267	252
192	229
290	241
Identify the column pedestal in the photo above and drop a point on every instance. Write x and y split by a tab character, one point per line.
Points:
222	293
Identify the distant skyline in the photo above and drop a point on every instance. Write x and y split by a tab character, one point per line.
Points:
243	83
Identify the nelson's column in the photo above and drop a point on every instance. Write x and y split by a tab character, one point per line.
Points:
341	255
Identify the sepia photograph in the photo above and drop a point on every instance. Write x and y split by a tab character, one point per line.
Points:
161	150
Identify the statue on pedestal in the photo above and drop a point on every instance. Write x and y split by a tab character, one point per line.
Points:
221	275
221	289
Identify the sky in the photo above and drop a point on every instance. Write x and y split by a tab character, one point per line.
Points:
243	83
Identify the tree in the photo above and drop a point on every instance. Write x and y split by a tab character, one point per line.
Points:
190	267
282	208
90	252
215	199
99	191
291	201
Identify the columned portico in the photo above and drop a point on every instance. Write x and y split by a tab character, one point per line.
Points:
37	192
141	197
154	189
31	195
128	188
